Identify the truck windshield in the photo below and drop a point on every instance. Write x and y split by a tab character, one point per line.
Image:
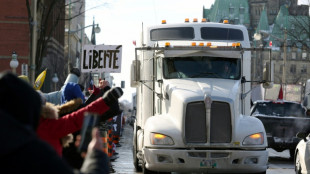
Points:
215	33
176	33
201	67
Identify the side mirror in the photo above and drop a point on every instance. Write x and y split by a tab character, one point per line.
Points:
268	76
135	73
302	135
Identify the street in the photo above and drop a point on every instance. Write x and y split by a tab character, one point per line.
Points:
279	163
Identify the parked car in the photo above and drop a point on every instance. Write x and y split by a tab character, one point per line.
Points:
282	120
302	154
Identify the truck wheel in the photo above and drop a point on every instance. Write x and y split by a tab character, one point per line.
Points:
292	154
145	171
134	150
297	164
262	172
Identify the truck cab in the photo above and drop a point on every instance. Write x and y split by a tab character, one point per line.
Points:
192	103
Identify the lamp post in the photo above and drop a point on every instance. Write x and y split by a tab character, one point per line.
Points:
55	80
14	62
258	36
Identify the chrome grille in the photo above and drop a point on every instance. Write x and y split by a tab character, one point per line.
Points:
220	126
195	123
220	123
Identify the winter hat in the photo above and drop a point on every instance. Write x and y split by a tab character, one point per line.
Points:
73	76
19	99
71	91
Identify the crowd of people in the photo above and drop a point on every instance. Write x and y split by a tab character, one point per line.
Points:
41	131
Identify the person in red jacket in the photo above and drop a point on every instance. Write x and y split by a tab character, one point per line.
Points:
52	129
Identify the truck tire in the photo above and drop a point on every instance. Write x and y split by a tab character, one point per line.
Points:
292	154
145	171
134	150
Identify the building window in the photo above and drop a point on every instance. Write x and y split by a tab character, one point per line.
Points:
281	69
241	10
282	55
289	42
293	69
293	55
304	55
304	69
231	10
308	42
236	20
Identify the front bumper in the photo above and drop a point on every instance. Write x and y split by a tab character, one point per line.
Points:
215	161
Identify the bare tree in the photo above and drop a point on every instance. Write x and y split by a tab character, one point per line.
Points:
50	14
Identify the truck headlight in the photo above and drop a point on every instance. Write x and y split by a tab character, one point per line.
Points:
161	139
254	139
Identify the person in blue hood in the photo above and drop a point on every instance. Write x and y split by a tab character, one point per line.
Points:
56	97
71	91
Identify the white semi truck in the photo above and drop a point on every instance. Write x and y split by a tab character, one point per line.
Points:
193	101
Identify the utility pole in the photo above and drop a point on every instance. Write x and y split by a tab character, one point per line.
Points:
284	64
69	46
32	61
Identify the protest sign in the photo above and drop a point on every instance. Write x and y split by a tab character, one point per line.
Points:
101	58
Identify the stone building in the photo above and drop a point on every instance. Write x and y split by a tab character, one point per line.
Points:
286	27
16	36
14	27
53	57
290	47
74	27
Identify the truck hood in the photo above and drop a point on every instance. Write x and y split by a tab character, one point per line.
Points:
196	89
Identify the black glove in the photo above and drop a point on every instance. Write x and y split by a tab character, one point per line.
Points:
111	96
113	111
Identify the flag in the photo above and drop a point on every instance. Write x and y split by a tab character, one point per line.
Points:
91	82
280	96
40	80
